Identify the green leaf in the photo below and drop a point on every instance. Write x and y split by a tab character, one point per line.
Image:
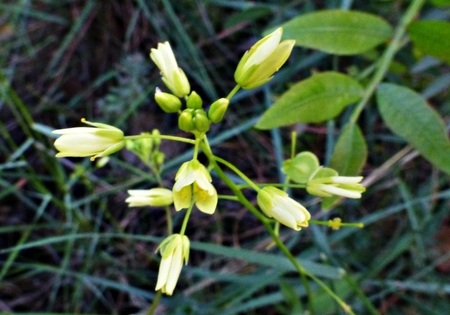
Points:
337	31
313	100
348	158
431	38
408	115
350	153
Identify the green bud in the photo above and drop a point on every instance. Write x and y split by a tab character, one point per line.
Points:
302	167
158	158
168	102
141	147
201	121
194	101
218	109
156	141
185	121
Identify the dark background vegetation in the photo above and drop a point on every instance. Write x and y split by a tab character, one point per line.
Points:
64	60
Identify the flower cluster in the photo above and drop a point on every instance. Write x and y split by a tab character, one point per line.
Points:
193	182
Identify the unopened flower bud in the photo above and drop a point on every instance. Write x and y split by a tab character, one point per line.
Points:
158	158
156	141
168	102
258	65
201	121
185	121
194	101
218	110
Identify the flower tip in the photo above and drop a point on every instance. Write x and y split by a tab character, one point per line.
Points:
83	120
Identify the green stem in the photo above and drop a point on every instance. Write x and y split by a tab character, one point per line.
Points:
242	186
226	197
235	89
387	57
237	171
358	225
197	142
155	303
173	138
186	219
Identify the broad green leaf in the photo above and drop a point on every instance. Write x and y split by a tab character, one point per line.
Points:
408	115
337	31
431	38
319	98
348	158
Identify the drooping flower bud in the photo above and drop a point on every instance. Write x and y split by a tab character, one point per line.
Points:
174	251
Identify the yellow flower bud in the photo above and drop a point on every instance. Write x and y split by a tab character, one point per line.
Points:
262	60
100	141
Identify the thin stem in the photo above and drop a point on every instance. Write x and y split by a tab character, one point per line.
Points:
235	89
293	143
387	57
197	142
242	186
155	303
226	197
358	225
238	172
186	218
173	138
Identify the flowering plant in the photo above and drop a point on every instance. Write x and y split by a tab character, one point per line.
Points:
193	184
